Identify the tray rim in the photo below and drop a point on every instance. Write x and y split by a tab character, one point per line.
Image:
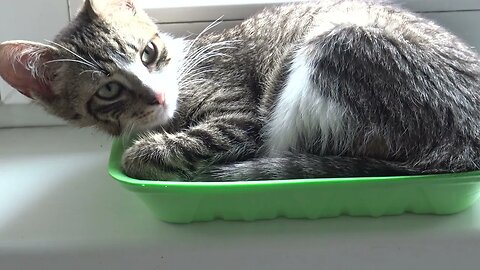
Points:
116	173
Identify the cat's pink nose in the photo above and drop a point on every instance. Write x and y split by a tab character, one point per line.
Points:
160	97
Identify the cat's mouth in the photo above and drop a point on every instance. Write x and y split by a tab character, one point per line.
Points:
155	117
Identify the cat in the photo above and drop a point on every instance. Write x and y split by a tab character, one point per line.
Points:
306	90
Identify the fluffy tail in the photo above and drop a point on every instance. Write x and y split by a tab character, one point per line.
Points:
306	166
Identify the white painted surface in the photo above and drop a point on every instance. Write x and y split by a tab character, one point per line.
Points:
190	30
439	5
463	24
181	13
29	20
60	210
193	10
24	115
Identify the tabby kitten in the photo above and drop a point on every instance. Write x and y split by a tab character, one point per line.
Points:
318	89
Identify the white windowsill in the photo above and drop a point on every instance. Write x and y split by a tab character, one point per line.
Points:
60	210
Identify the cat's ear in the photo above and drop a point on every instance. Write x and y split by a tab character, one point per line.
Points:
106	8
23	66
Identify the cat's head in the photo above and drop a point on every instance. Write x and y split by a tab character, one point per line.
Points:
109	68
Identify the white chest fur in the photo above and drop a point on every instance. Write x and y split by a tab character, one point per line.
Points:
302	117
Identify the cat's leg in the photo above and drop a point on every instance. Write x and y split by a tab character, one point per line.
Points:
183	155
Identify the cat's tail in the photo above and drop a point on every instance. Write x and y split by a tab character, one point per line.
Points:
304	166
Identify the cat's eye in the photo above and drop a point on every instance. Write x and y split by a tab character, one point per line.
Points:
109	91
149	54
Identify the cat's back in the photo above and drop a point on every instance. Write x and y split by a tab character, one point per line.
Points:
353	63
268	39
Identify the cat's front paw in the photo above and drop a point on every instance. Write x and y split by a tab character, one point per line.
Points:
149	159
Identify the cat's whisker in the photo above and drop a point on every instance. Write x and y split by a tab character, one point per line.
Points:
206	29
202	56
221	45
189	35
193	83
193	65
91	71
197	60
194	75
70	60
189	63
95	61
185	73
187	79
127	133
72	52
204	53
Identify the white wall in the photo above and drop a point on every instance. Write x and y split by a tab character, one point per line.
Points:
29	20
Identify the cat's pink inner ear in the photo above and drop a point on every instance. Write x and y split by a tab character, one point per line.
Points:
21	66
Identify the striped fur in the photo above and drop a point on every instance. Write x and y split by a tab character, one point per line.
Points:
319	89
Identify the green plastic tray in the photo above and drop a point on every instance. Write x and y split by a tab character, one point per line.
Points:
185	202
